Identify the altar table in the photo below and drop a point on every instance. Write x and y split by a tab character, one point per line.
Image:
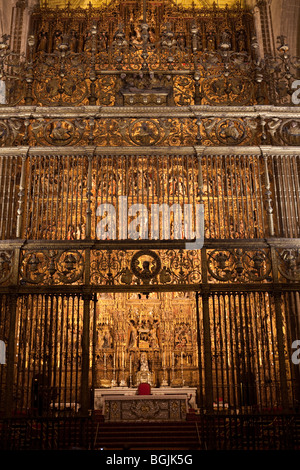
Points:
188	393
145	408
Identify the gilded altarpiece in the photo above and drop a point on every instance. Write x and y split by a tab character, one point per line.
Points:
157	330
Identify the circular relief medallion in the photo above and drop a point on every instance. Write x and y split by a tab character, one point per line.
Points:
145	264
290	132
230	131
144	132
59	132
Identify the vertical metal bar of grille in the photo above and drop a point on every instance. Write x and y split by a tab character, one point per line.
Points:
258	222
287	196
259	179
227	339
274	167
71	195
11	215
292	316
263	352
2	193
245	190
233	215
238	197
215	350
295	170
242	350
18	402
214	209
4	172
8	195
193	178
149	179
231	229
66	338
255	332
94	344
36	200
273	350
251	307
233	351
10	175
221	342
157	178
220	173
4	332
290	195
217	178
79	180
282	200
294	200
61	355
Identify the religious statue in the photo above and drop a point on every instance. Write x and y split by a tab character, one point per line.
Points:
73	41
42	44
132	340
144	375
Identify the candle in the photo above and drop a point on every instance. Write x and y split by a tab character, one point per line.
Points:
182	358
173	360
114	360
130	364
104	361
164	359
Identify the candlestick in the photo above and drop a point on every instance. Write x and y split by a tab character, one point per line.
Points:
113	382
164	381
130	371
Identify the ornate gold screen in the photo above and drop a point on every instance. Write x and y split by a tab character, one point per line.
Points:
160	113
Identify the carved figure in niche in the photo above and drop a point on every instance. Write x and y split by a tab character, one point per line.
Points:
135	37
102	41
73	41
119	40
144	366
57	40
168	40
132	335
107	342
71	233
154	337
87	42
241	41
211	41
182	335
43	39
144	374
80	44
152	35
181	42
